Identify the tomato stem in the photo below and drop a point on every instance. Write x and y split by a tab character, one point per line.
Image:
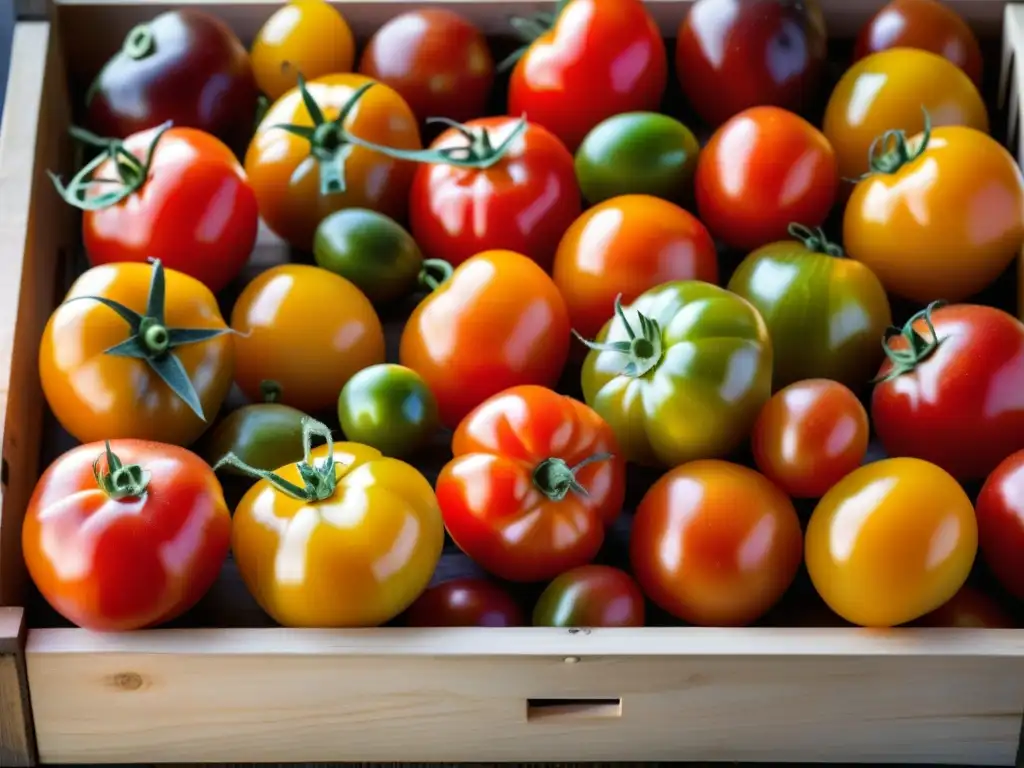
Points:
528	29
271	391
139	42
815	240
918	348
555	478
891	151
433	273
643	347
120	481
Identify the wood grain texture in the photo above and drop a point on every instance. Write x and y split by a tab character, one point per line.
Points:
17	737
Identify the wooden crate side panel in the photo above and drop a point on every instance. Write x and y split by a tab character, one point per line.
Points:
1011	88
17	738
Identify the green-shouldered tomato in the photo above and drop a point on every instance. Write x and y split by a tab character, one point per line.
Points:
591	596
388	407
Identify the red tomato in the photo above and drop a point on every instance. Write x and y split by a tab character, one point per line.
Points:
125	537
522	203
1000	511
601	58
969	609
950	392
535	481
590	596
762	170
465	602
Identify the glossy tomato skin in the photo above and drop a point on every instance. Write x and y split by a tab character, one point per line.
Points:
196	212
735	54
465	602
497	322
110	564
691	543
590	596
970	608
601	58
522	203
890	542
1000	510
763	169
625	246
809	436
963	194
263	435
501	514
436	60
960	407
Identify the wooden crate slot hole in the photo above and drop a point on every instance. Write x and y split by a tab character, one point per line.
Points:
549	710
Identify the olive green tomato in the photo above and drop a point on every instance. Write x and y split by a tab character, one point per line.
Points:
590	596
826	314
388	407
263	435
637	153
681	373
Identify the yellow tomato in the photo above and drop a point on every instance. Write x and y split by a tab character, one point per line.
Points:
891	542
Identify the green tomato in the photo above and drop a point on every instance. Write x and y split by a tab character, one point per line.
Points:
590	596
680	374
637	153
388	407
826	314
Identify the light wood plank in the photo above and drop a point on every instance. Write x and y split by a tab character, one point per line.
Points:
17	740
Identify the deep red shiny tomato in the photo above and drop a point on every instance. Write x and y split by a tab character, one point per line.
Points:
522	203
590	596
969	609
127	535
1000	511
536	479
762	170
601	58
715	543
950	392
465	602
809	436
735	54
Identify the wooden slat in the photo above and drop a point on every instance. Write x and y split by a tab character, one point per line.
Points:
1011	89
17	739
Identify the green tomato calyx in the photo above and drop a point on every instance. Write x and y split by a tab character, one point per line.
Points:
139	42
528	29
814	240
433	273
918	347
643	347
555	478
892	150
120	481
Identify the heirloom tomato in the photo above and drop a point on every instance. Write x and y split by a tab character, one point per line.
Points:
306	329
969	609
344	538
623	247
809	436
896	90
590	596
498	321
715	543
136	351
436	60
598	58
127	535
950	390
681	374
825	313
1000	511
313	154
761	170
891	542
174	194
493	183
536	479
735	54
465	602
307	37
940	216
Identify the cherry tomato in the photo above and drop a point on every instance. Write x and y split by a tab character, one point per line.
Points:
536	479
932	199
949	392
523	202
715	543
465	602
498	321
436	60
1000	510
623	247
590	596
761	170
969	609
600	58
127	535
735	54
306	329
891	542
809	436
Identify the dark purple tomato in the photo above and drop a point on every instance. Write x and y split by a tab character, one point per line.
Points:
591	596
465	602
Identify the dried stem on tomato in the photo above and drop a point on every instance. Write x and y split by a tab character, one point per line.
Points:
918	348
815	240
555	478
120	481
642	350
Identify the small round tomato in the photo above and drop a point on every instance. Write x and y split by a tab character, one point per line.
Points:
623	247
127	535
304	167
891	541
465	602
498	321
809	436
306	329
761	170
930	200
716	544
1000	511
436	60
969	609
590	596
895	90
307	37
535	480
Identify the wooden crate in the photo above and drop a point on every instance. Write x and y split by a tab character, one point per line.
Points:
251	692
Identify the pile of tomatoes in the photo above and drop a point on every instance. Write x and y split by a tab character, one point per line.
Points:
584	294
